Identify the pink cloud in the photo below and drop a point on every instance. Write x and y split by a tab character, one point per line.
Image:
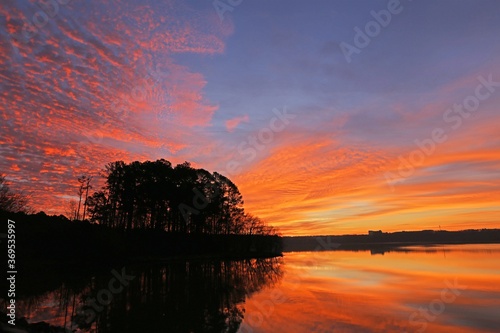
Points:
231	124
100	84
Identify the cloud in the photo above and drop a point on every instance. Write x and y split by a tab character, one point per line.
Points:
231	124
137	80
98	83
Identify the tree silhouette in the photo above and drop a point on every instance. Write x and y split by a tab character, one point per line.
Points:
71	210
11	201
87	187
180	199
84	187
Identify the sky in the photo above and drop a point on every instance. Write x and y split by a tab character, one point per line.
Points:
331	117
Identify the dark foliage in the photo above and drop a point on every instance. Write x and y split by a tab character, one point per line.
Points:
11	201
196	295
44	241
180	199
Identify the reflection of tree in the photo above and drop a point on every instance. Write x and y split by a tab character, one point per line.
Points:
190	296
179	296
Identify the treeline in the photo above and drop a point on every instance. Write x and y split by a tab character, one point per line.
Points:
11	201
144	211
386	240
56	241
180	199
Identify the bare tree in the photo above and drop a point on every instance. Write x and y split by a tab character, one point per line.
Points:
11	201
71	210
84	188
87	187
80	193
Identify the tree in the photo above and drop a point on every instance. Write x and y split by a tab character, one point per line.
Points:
87	187
71	210
84	187
98	208
180	199
252	225
11	201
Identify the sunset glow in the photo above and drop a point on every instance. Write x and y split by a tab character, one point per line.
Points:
402	135
356	292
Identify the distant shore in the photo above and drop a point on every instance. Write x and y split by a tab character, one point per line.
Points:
381	241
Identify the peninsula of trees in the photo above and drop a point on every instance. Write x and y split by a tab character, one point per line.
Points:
180	199
145	210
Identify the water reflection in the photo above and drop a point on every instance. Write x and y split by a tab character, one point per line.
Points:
439	289
180	296
417	289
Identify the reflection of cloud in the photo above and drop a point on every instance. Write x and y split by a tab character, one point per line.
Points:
353	292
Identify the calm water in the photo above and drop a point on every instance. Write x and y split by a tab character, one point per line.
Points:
421	289
439	289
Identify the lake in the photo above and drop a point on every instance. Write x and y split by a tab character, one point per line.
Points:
415	289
